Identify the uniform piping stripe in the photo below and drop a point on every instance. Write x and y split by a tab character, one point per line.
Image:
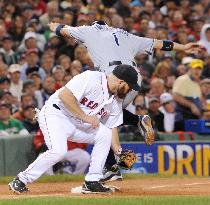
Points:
47	127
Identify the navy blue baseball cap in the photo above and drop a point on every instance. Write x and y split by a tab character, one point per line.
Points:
128	74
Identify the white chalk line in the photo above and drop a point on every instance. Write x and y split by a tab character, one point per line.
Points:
178	185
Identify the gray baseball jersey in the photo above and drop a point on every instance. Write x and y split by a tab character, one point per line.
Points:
106	44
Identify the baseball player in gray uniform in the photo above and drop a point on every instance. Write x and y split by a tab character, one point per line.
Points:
109	47
86	112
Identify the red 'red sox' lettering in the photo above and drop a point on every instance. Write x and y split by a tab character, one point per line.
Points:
89	103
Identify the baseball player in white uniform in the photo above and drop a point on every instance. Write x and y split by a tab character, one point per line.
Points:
109	47
86	109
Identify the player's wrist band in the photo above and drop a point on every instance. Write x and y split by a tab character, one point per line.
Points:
167	45
58	29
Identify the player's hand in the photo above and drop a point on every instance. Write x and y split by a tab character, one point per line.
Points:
53	26
192	48
195	110
93	120
118	151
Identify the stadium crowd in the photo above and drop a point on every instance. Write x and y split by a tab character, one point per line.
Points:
34	62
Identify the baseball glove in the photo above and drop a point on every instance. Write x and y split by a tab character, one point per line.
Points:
146	130
127	159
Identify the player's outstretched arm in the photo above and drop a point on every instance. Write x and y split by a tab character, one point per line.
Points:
71	104
167	45
116	147
60	29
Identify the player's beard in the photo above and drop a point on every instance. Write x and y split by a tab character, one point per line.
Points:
121	93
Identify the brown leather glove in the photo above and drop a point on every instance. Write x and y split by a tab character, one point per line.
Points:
127	159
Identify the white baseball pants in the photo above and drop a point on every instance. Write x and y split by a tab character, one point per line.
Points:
57	128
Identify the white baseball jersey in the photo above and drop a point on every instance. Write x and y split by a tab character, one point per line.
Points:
106	44
91	91
58	125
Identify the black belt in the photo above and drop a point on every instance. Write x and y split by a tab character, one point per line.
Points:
119	63
56	107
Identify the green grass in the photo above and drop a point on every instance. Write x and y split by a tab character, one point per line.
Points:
75	178
110	201
103	200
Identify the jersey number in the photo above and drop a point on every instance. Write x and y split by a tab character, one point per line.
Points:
116	39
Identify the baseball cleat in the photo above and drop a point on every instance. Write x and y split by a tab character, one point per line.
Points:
113	174
17	186
145	127
95	187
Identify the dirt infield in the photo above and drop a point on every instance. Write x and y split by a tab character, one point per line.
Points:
129	187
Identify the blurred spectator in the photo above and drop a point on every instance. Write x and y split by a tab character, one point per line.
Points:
181	70
187	91
26	100
197	24
58	74
8	98
8	125
157	87
52	10
169	83
123	8
29	88
68	17
138	100
16	84
32	29
4	83
48	88
83	19
162	70
80	53
141	110
89	65
172	121
29	42
9	56
68	48
51	50
39	6
144	26
3	70
27	12
31	65
117	21
128	24
186	60
47	63
76	160
205	37
17	30
205	91
28	122
156	116
37	80
66	79
3	32
65	62
206	70
76	67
